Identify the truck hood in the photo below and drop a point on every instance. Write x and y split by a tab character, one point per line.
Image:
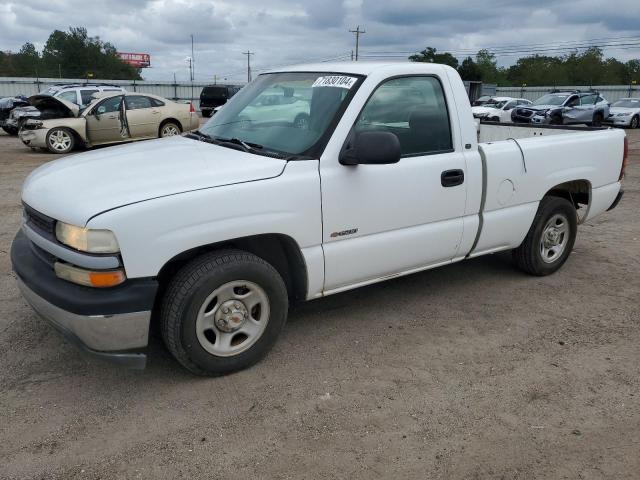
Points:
79	187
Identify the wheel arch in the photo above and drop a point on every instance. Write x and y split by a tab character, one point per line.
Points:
279	250
578	192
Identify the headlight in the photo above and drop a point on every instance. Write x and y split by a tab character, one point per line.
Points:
87	240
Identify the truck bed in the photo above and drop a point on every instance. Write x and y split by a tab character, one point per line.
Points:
521	163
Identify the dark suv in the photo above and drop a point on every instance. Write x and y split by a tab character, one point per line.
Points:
213	96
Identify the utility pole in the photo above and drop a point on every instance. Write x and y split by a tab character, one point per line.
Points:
358	32
248	54
193	61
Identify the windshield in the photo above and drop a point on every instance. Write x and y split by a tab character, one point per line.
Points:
51	91
284	112
551	99
628	103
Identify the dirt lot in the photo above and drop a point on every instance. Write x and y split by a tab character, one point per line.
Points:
473	371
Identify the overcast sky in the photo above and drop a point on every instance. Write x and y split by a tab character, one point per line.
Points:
284	32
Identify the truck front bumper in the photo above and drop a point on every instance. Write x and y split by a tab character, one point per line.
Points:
112	323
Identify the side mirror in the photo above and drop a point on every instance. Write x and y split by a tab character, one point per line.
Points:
371	148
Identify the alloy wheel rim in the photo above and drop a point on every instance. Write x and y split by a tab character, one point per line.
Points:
169	131
555	237
232	318
60	140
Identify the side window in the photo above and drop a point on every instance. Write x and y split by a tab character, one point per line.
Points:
85	95
69	96
415	110
573	102
523	102
156	103
135	102
111	104
510	105
589	99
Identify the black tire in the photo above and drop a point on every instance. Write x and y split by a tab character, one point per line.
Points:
301	121
528	256
187	293
635	122
65	144
11	130
207	113
597	119
557	120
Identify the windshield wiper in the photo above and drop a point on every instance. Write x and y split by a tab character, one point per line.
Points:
248	146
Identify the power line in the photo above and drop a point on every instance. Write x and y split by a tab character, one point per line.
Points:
358	32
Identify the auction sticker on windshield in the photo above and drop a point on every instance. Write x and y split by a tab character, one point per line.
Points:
335	81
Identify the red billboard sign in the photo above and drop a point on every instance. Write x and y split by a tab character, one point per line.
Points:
138	60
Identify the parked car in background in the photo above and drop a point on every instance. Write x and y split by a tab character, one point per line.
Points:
564	108
625	113
79	94
498	109
111	118
213	96
216	232
7	106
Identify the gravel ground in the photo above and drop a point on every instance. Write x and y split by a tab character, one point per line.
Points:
472	371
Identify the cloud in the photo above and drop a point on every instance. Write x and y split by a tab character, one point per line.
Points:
283	32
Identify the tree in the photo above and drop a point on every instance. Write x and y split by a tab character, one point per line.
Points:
469	70
72	54
430	55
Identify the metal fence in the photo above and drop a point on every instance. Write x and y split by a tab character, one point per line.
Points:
178	91
611	92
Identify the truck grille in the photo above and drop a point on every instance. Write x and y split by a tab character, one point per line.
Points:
39	221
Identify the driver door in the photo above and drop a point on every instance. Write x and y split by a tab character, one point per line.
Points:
384	220
105	122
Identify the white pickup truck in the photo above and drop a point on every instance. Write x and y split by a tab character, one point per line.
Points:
215	233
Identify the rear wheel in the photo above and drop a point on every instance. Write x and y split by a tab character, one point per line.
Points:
301	121
169	129
60	140
223	311
550	238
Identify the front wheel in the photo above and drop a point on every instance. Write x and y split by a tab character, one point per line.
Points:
634	122
223	311
550	238
60	140
597	120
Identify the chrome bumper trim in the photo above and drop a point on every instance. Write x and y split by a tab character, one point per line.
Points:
68	255
100	334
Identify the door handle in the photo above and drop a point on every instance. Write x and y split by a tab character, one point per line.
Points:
112	117
155	112
452	178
